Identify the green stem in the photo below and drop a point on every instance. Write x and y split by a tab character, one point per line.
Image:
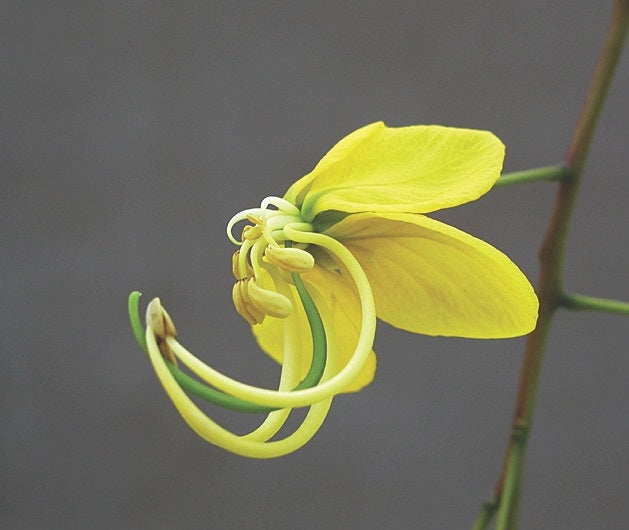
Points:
579	302
507	512
547	173
550	292
486	514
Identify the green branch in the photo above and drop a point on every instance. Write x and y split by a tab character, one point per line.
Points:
581	302
547	173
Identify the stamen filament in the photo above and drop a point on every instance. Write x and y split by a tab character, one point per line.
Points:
240	216
324	390
214	433
319	354
280	204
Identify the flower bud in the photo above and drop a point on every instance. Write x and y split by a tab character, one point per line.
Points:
159	320
289	259
162	325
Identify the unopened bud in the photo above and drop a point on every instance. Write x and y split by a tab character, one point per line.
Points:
159	320
289	259
162	325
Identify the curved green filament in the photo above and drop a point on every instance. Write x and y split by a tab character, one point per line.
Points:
216	397
133	306
211	395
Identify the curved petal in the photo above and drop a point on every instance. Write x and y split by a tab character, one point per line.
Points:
341	151
428	277
339	306
415	169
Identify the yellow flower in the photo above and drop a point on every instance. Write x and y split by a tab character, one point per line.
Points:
354	231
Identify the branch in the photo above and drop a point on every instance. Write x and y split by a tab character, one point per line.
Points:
550	293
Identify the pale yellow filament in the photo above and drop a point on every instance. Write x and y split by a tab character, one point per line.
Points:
217	435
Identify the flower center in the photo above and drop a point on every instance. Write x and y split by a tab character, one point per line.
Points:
266	251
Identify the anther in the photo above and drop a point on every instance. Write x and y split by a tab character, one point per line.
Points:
245	309
251	232
289	259
235	268
270	302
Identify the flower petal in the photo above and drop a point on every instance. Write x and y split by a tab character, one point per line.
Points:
415	169
341	151
339	306
430	278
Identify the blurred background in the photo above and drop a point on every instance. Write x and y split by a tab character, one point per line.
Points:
132	131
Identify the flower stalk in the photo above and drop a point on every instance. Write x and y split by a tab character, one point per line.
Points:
547	173
581	302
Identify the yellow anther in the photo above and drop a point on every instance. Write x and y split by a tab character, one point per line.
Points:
244	308
289	259
251	232
257	313
253	219
235	268
269	302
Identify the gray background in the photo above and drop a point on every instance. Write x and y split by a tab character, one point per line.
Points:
132	131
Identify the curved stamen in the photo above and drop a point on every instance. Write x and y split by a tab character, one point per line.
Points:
280	204
214	433
257	251
252	444
319	354
323	390
288	379
276	223
240	216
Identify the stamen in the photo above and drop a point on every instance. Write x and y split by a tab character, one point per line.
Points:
290	363
251	232
323	390
240	305
269	302
289	259
235	268
240	216
254	444
221	437
256	220
244	268
281	204
249	306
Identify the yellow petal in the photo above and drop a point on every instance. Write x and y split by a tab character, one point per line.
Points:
428	277
339	306
415	169
337	154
